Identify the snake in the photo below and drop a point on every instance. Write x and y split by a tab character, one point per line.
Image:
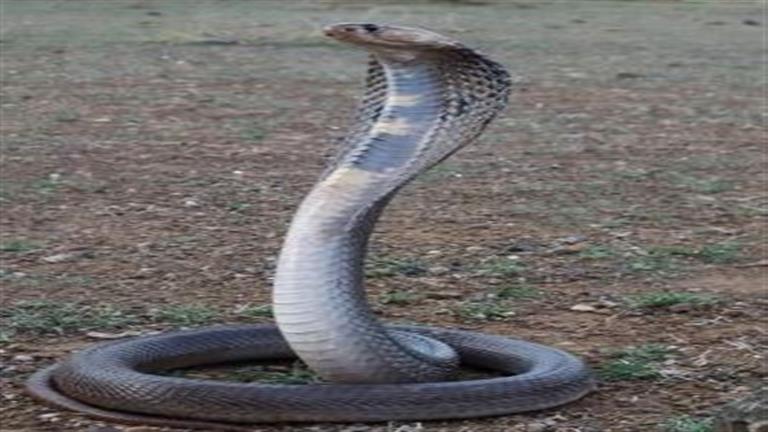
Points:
426	96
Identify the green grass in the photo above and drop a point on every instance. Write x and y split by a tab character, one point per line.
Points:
715	253
399	298
389	267
711	185
238	206
66	115
440	172
653	263
501	267
628	370
648	352
483	311
18	245
720	253
260	311
53	317
597	253
671	258
47	185
184	315
297	374
6	336
253	133
687	424
518	292
662	299
635	363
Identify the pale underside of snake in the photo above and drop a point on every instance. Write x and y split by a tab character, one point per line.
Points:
426	97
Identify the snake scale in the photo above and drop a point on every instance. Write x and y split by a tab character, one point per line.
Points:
426	97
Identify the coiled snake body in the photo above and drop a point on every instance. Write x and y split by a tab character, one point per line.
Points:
427	96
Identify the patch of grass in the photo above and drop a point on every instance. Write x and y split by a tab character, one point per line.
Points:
688	424
653	262
484	311
46	185
716	253
184	315
253	133
440	172
6	336
648	352
399	298
662	299
295	373
628	370
501	267
597	253
260	311
388	267
703	185
66	115
518	292
635	363
238	206
18	245
52	317
667	258
633	174
720	253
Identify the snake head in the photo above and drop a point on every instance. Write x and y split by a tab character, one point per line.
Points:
387	38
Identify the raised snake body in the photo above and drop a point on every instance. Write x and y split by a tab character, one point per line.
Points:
427	96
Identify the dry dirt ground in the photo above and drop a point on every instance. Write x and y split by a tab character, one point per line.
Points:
153	153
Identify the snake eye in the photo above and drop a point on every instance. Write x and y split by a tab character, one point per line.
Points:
370	28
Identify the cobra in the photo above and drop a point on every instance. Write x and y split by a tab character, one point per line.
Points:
426	97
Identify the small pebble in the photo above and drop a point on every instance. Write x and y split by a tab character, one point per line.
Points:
583	308
23	358
439	270
573	239
536	427
59	257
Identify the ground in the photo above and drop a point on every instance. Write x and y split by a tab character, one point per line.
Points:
153	153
